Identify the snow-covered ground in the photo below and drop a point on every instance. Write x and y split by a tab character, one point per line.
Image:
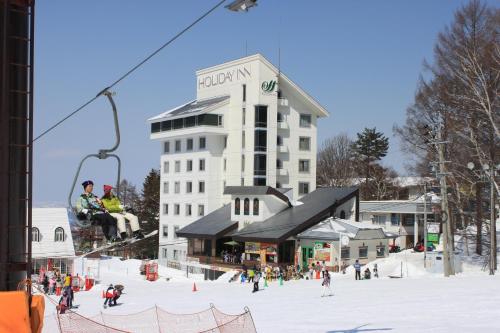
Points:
419	302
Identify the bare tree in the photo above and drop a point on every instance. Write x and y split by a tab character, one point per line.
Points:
335	166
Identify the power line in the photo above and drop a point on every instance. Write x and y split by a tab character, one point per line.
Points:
131	70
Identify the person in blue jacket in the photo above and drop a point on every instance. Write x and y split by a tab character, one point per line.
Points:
357	269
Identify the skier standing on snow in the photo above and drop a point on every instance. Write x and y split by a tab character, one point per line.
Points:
115	208
256	282
326	284
357	268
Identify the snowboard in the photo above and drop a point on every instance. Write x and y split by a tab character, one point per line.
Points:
121	244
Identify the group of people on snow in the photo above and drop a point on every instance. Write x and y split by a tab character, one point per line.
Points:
112	294
107	212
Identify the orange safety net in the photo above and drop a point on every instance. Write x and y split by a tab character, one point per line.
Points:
14	312
159	320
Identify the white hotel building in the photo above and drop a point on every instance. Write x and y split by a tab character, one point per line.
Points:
249	125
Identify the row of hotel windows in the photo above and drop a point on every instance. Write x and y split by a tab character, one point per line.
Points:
304	143
177	254
189	166
165	230
202	144
189	187
58	234
188	209
246	206
362	252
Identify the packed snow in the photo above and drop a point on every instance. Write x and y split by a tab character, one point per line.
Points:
422	300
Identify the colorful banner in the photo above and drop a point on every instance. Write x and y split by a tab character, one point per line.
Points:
318	245
251	247
269	247
322	255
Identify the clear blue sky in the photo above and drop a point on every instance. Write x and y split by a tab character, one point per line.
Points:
359	59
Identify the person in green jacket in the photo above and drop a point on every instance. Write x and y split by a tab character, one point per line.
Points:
116	209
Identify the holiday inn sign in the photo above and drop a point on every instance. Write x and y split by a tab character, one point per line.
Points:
221	78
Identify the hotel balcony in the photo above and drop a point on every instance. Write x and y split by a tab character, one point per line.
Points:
282	172
283	125
283	149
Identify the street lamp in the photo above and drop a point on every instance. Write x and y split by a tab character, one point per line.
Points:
241	5
493	232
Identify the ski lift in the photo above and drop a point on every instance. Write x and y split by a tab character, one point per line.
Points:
85	222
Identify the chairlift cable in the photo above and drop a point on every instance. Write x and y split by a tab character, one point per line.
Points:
131	70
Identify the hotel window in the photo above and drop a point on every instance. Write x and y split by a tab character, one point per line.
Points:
280	117
177	209
408	220
244	93
303	188
201	210
243	139
177	166
243	116
165	230
59	235
189	165
202	164
177	187
246	206
35	234
255	206
166	167
225	141
237	206
379	219
303	165
219	120
279	164
177	145
380	251
304	143
165	187
394	219
189	187
225	164
345	253
166	147
279	140
189	144
201	187
202	142
165	209
363	252
242	163
165	253
188	210
176	229
305	120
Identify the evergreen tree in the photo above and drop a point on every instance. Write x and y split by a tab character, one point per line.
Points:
370	146
149	214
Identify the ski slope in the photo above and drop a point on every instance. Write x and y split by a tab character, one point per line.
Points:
418	302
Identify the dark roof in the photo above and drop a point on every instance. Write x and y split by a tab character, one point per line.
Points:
256	190
191	108
316	206
215	224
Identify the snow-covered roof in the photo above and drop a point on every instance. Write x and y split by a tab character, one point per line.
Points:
331	228
47	220
191	108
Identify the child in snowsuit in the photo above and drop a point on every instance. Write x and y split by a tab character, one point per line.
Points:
109	295
63	303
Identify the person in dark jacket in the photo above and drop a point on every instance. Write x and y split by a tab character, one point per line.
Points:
357	269
63	302
256	282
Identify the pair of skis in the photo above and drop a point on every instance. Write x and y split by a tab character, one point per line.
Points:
122	244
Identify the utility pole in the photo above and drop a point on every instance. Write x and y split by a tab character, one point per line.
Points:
425	224
445	214
493	229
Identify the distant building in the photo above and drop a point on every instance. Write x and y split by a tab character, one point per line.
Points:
362	241
52	245
261	224
249	125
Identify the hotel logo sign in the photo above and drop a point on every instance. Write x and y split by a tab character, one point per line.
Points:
269	86
228	76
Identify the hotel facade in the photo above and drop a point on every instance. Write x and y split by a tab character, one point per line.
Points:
249	125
